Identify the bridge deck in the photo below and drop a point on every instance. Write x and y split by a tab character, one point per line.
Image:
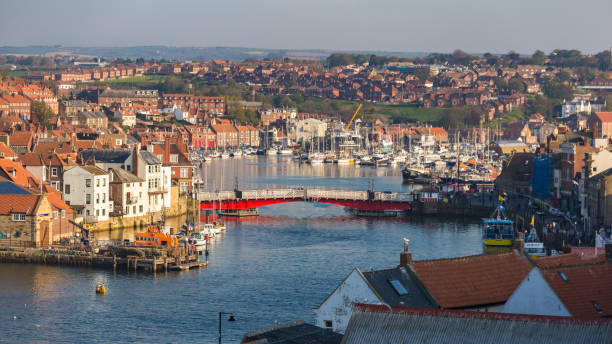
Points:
245	199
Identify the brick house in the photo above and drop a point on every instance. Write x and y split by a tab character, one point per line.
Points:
211	105
72	107
601	124
18	105
25	219
227	135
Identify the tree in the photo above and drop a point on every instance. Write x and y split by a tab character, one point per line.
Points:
5	74
43	112
516	85
538	57
501	83
563	76
557	90
543	105
422	73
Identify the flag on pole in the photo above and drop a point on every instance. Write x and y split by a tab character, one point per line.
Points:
501	199
532	220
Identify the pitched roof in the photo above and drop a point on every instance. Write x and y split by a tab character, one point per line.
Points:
18	203
106	155
6	151
296	332
604	116
473	280
149	158
123	176
17	173
569	259
21	138
377	324
581	287
415	295
10	188
94	170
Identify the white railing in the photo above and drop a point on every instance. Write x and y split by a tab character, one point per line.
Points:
305	193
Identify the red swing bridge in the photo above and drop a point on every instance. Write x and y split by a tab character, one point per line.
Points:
362	201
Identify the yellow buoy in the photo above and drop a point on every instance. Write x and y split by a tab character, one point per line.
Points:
100	289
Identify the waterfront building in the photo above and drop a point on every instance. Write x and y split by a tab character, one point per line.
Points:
601	124
581	291
516	176
383	324
157	178
396	286
128	193
86	189
25	219
174	154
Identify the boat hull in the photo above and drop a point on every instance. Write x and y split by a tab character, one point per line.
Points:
498	242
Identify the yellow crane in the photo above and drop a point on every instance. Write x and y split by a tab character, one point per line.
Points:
352	118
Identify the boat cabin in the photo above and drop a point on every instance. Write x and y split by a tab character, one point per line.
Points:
498	232
154	238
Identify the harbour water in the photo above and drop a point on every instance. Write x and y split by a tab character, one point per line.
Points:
265	270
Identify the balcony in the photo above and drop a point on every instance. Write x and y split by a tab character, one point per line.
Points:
131	200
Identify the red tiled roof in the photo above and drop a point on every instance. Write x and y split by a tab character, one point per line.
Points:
604	116
569	259
585	285
4	149
22	176
57	202
18	204
473	280
21	138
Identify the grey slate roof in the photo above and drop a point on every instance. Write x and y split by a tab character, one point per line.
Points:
123	176
297	332
10	188
93	114
417	296
376	324
149	158
106	155
75	103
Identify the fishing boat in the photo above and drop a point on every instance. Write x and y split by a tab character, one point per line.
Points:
497	230
198	239
153	237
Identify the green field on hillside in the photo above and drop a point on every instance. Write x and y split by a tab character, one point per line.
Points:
145	81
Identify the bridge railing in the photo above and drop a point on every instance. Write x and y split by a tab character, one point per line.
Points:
273	194
338	194
216	196
393	197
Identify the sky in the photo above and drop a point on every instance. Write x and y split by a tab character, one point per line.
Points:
475	26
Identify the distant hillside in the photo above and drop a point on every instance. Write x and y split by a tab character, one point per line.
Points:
186	53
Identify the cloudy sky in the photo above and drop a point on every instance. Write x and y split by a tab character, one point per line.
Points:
475	26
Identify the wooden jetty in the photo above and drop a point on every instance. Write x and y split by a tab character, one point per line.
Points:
64	257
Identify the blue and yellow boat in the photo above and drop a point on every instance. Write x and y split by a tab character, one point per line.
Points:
497	231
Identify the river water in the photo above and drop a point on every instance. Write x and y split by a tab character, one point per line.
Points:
265	270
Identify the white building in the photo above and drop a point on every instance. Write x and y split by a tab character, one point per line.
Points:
127	118
309	128
157	178
580	106
128	193
394	287
87	187
179	114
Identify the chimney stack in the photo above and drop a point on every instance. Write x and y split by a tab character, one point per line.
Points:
406	256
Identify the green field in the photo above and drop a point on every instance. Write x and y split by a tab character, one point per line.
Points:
145	81
513	116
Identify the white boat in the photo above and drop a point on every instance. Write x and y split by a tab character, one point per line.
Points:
285	151
198	239
316	158
272	151
236	154
344	161
225	155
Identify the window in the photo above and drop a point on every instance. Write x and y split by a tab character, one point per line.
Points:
97	198
54	172
55	214
88	182
329	324
399	287
103	212
134	210
88	198
103	182
63	214
67	189
174	158
129	168
97	182
184	172
140	208
97	212
19	216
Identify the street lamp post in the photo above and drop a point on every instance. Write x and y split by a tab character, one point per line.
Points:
231	318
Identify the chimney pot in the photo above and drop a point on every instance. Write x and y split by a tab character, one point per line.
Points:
406	256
